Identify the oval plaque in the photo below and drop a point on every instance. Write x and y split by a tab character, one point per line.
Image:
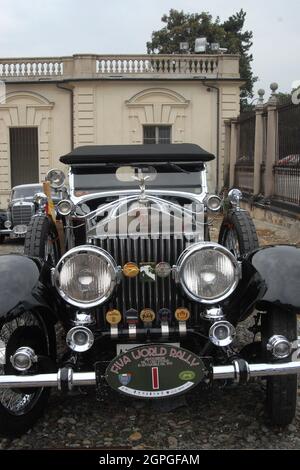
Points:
155	371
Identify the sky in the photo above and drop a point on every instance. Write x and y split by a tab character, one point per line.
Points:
32	28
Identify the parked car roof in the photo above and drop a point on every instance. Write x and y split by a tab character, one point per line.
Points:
290	160
136	153
38	185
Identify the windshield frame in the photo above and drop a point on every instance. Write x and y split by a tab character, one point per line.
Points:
180	167
79	199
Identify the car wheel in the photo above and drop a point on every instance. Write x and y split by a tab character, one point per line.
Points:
42	240
238	233
20	408
281	399
2	238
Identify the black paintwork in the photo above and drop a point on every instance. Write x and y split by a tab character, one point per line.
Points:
270	275
279	266
25	285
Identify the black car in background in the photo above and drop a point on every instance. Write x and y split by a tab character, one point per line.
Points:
21	207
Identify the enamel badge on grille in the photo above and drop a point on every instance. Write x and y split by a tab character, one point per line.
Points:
130	269
147	272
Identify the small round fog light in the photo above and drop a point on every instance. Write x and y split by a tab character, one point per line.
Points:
222	333
80	339
214	203
64	207
7	224
23	358
279	346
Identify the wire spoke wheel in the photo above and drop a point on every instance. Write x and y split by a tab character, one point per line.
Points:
232	242
281	393
20	407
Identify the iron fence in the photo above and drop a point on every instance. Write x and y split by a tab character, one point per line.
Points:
246	123
244	177
287	183
289	132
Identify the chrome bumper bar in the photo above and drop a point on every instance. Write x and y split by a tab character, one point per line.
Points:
240	372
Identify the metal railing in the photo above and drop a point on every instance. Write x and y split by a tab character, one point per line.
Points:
287	183
244	177
288	130
246	139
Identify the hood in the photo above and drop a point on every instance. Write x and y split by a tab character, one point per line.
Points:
146	217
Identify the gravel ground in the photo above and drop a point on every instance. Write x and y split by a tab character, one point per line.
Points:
222	418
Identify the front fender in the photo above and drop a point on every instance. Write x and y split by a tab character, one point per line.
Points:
25	285
279	267
270	275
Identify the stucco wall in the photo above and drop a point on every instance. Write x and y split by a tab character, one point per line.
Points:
114	112
41	105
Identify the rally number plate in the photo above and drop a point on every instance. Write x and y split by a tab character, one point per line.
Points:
155	371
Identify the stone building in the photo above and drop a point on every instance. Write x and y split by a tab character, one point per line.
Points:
51	105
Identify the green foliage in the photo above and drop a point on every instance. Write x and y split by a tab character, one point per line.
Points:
284	98
186	27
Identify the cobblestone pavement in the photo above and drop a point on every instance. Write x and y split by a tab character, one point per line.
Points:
229	418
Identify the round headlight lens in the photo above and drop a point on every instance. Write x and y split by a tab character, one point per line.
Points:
56	178
7	224
208	272
86	276
214	203
64	207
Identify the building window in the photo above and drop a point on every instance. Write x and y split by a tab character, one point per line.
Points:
157	134
24	155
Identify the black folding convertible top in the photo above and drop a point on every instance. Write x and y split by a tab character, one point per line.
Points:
93	154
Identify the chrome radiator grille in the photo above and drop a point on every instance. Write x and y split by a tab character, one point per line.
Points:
21	214
132	292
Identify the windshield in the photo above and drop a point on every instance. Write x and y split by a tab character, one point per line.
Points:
170	176
29	191
26	191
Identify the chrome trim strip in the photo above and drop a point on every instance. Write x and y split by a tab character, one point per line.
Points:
70	379
132	331
165	329
114	331
182	328
89	378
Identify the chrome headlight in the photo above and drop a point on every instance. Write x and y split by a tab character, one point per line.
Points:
214	203
64	207
208	272
56	178
86	276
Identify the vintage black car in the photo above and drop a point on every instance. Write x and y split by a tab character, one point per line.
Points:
149	305
22	206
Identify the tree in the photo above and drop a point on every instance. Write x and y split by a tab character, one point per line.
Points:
186	27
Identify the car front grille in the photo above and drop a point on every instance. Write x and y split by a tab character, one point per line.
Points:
21	214
133	292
